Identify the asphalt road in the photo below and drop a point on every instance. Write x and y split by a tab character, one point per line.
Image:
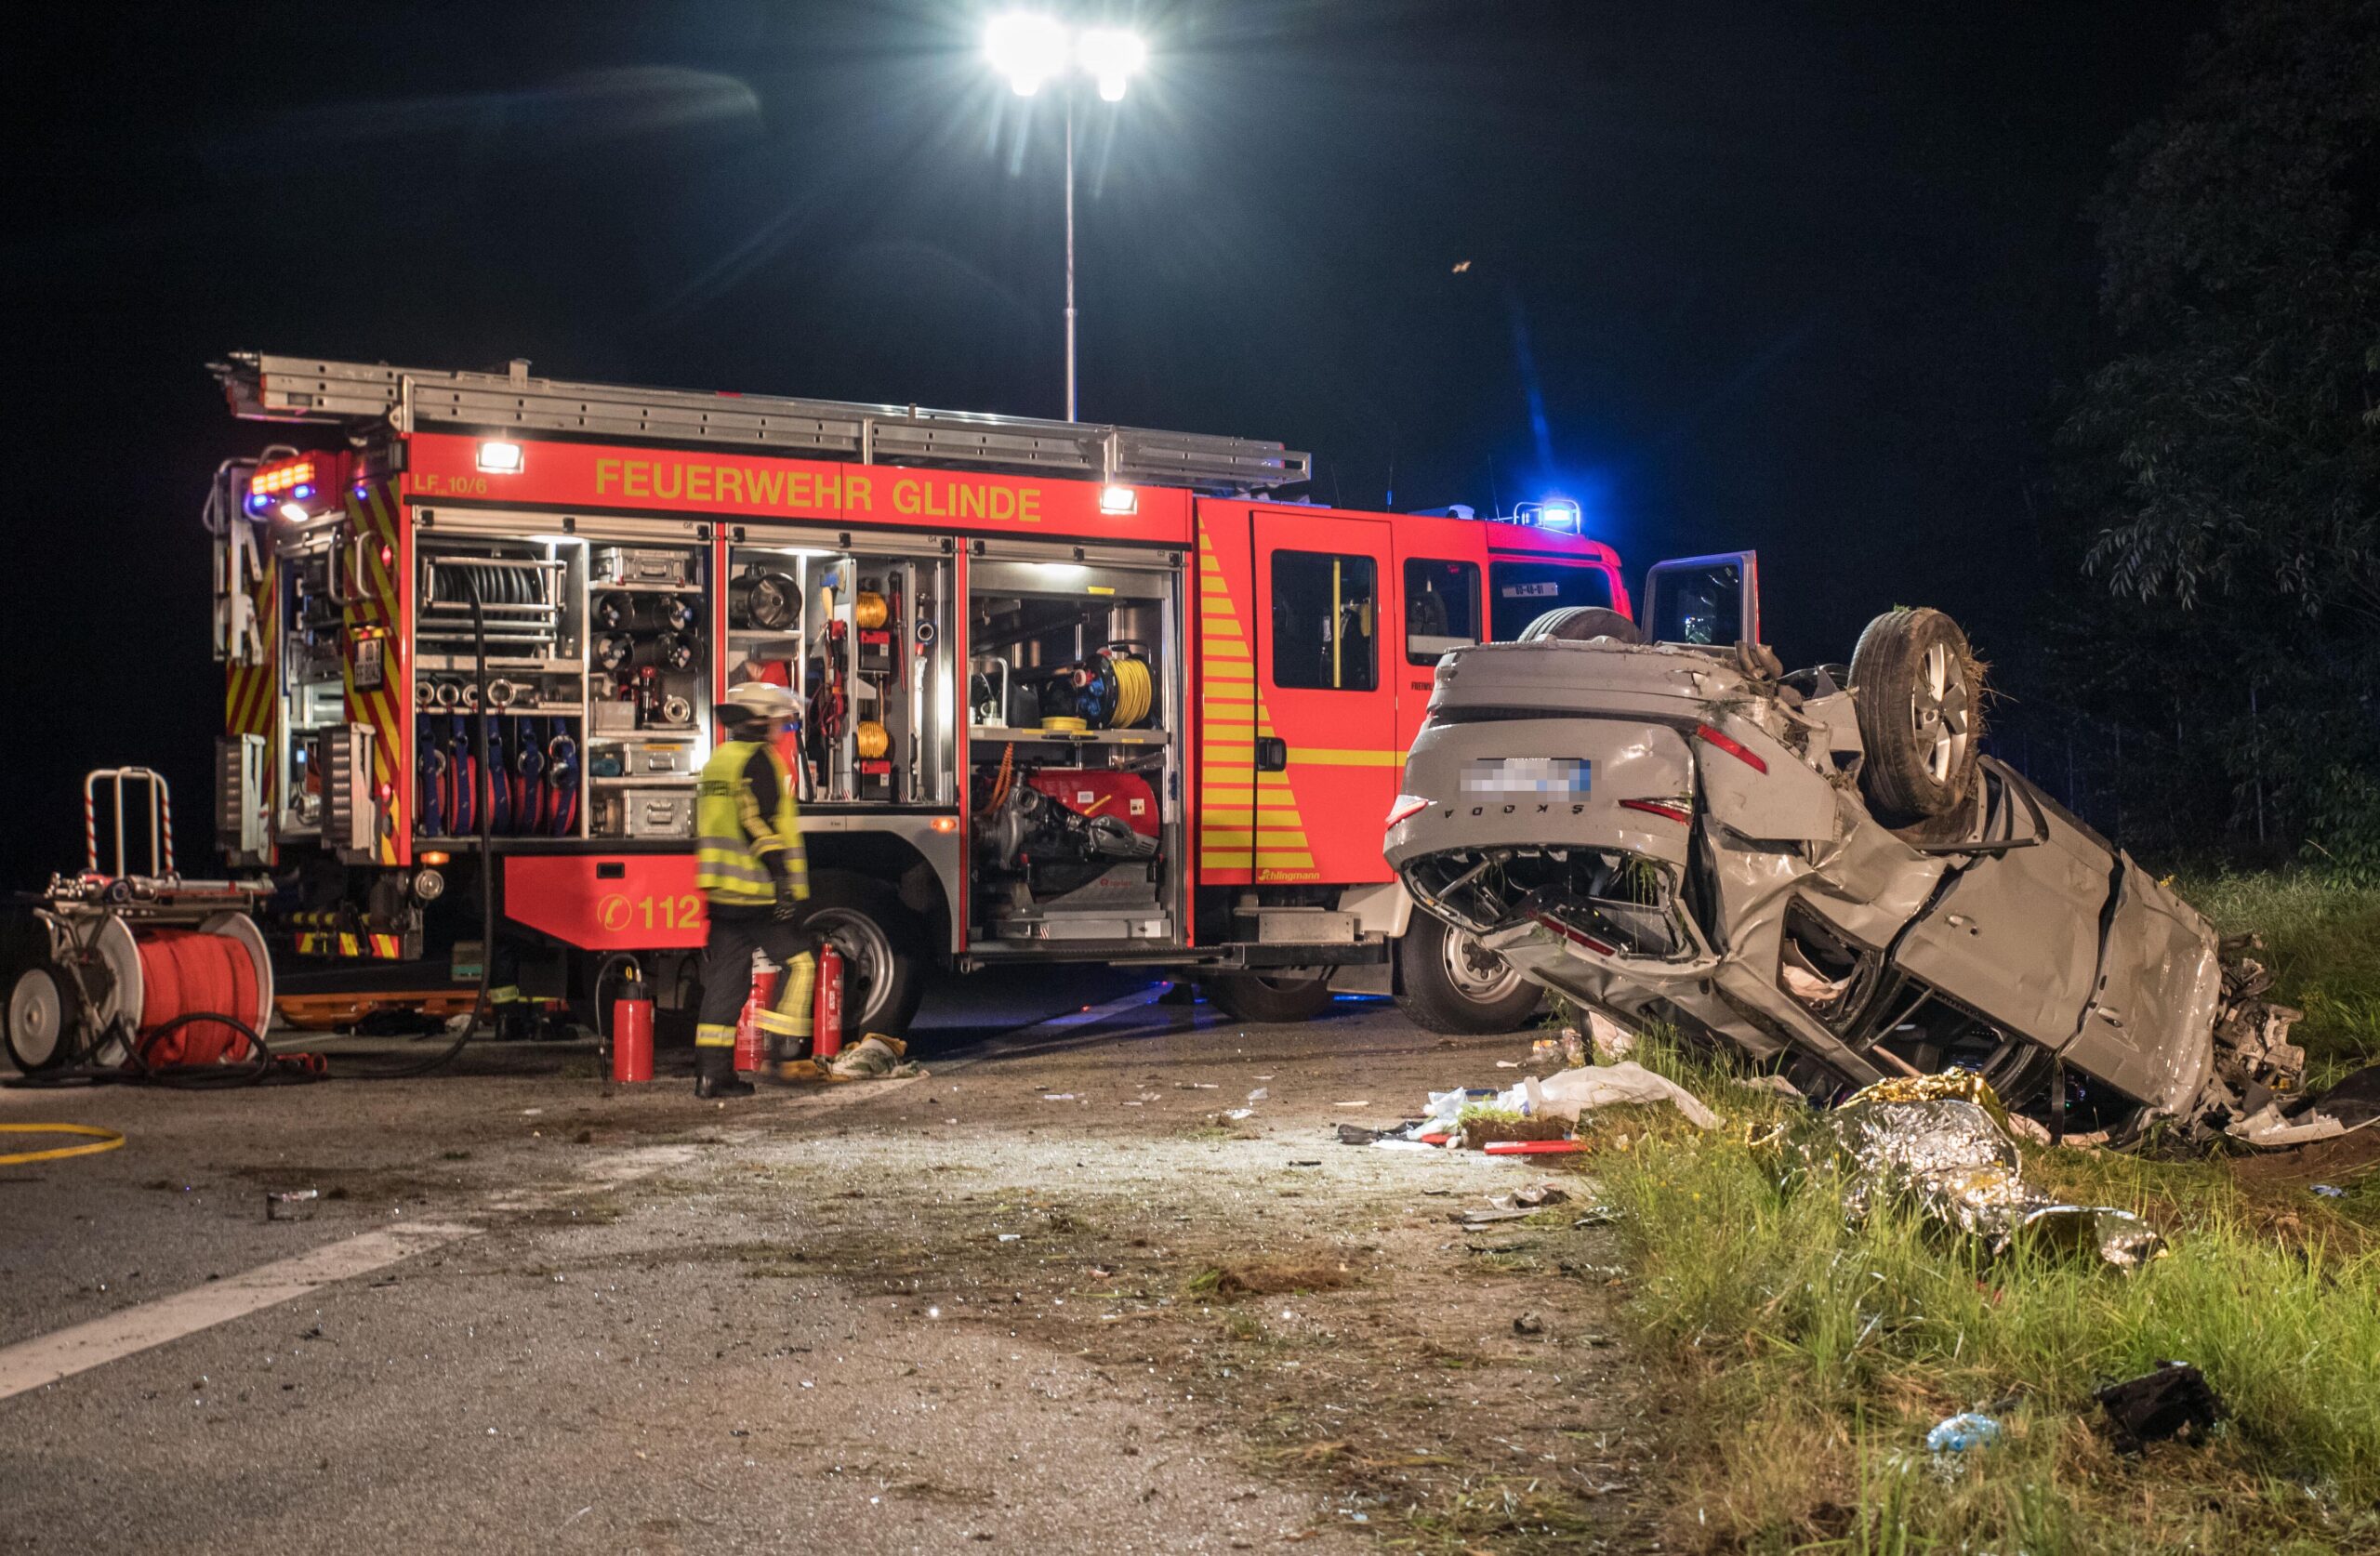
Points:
1048	1296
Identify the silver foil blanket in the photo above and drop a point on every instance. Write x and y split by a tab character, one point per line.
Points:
1939	1144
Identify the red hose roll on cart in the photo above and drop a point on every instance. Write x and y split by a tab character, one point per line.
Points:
142	969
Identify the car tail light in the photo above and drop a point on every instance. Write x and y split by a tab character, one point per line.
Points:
1405	805
1575	936
1704	731
1655	808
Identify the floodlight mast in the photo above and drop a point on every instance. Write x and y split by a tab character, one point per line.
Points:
1030	49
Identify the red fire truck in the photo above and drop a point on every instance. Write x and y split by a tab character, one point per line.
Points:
1071	693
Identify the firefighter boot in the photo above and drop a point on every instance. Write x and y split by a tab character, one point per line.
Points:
715	1074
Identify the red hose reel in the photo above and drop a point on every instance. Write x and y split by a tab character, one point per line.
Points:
185	973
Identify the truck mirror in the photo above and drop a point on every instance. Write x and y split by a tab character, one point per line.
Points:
1707	601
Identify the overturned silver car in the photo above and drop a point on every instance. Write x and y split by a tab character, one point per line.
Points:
1821	868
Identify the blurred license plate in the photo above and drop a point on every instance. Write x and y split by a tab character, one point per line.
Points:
1564	776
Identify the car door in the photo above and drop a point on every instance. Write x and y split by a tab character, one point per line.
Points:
2015	933
1327	752
1711	601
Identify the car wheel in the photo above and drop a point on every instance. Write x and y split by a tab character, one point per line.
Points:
1272	995
882	944
1919	691
1583	624
43	1013
1448	982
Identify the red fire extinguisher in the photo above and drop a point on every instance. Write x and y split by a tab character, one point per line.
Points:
826	1039
750	1048
632	1030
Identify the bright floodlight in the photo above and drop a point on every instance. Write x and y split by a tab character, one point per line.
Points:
1028	47
1111	56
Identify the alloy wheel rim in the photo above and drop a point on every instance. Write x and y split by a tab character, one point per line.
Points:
1941	712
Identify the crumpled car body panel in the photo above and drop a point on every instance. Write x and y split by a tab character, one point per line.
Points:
1720	838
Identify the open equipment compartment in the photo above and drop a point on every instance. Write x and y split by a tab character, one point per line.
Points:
648	667
1074	743
857	628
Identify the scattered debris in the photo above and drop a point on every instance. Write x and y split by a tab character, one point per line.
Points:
2269	1128
291	1205
1235	1115
1532	1147
1260	1094
1962	1433
1057	1096
2329	1191
1573	1092
1528	1323
2173	1401
1613	1042
1942	1144
873	1057
1534	1196
1598	1215
1486	1124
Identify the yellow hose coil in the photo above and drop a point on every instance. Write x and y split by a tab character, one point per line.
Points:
104	1139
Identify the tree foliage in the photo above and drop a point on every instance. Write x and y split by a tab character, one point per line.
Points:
2228	457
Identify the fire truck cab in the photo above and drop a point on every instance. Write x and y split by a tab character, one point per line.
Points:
1070	692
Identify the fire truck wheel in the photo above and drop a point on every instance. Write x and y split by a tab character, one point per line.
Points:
1448	982
1273	993
882	946
43	1012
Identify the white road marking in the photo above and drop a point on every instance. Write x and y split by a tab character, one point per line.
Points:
34	1364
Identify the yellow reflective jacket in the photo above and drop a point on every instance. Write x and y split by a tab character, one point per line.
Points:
738	826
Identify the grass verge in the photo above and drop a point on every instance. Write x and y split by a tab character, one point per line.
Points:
1819	1354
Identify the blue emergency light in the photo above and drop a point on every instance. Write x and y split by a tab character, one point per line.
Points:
1561	515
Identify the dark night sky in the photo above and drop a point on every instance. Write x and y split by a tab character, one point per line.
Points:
1802	277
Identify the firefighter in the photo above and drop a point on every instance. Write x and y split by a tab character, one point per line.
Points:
751	868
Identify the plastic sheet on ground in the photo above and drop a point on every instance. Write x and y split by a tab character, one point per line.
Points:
1942	1144
1571	1092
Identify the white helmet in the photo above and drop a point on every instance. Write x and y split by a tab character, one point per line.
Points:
759	699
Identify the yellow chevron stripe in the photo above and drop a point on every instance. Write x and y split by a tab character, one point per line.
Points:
1322	756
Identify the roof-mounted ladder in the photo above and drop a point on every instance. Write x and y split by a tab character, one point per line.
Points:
264	388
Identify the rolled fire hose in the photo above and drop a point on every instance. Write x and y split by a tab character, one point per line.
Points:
496	784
